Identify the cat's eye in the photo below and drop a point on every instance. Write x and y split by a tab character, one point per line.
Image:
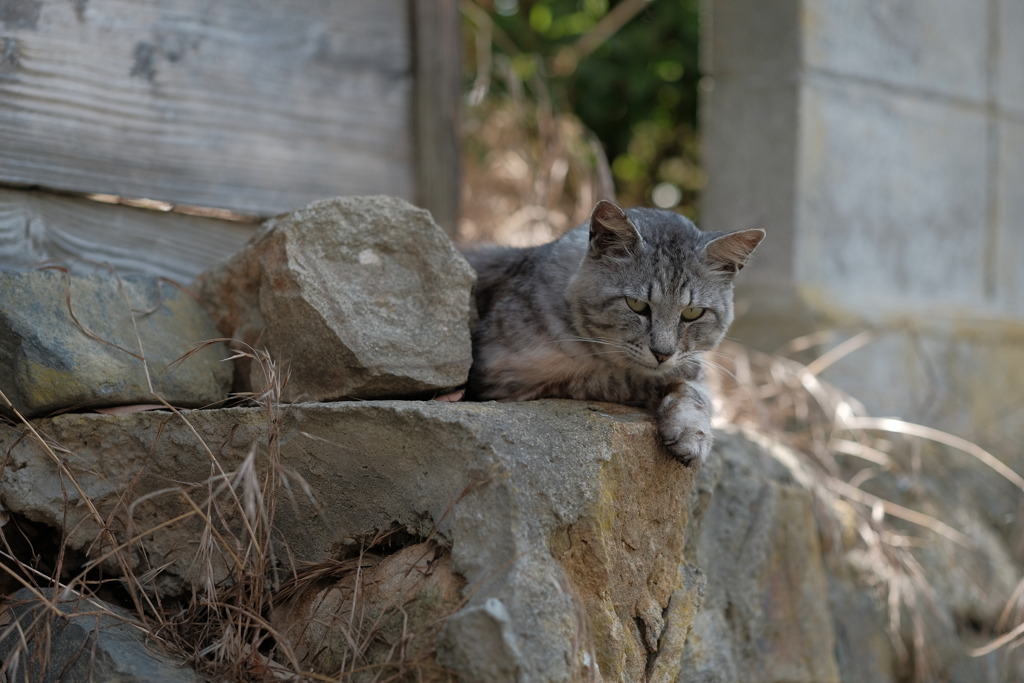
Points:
692	313
637	305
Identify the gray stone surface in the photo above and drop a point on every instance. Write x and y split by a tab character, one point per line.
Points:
50	362
686	603
570	508
889	167
864	651
362	297
940	46
765	615
479	643
581	542
747	37
1010	19
793	594
91	644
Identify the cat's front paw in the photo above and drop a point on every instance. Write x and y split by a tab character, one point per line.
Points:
689	446
686	432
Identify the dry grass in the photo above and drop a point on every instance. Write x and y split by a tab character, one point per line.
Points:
834	448
225	627
372	617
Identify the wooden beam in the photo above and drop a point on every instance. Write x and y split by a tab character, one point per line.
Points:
438	48
37	227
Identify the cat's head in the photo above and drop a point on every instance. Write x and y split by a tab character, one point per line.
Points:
653	289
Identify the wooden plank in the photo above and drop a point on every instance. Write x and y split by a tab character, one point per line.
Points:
79	234
258	106
438	89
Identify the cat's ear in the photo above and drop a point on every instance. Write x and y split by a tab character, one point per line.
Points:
611	231
729	253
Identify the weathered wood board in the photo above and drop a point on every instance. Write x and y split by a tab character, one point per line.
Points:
80	234
438	89
258	106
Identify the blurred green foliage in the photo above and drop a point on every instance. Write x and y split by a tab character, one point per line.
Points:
637	90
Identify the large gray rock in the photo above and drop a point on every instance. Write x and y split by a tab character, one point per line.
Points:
580	541
765	614
95	641
69	342
363	297
794	595
565	518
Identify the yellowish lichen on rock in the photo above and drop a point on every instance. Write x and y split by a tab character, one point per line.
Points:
623	555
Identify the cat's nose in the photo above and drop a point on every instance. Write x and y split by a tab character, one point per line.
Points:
661	357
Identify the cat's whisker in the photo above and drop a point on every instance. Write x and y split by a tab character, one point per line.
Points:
605	353
717	366
609	342
713	364
743	387
624	351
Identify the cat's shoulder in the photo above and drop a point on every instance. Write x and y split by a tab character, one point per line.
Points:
490	257
502	261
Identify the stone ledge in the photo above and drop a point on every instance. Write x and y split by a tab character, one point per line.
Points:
575	505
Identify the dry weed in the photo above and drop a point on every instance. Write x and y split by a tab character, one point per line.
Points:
833	447
223	628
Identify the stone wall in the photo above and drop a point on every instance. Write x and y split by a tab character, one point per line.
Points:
881	145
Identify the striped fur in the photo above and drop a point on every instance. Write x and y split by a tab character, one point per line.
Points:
555	323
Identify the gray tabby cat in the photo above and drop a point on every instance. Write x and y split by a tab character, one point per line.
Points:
619	311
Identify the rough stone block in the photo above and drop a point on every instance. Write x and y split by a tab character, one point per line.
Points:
94	642
363	297
561	508
70	342
683	608
895	194
792	591
765	614
939	46
744	38
864	650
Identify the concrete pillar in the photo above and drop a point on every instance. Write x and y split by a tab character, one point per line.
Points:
881	145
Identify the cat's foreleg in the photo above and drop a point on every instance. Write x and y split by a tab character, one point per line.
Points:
684	422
